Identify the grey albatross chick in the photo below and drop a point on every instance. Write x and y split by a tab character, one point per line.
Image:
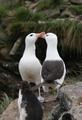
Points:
29	106
53	69
29	65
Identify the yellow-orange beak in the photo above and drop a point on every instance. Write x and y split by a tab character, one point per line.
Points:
40	35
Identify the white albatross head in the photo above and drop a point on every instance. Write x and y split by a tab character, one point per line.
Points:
32	38
51	39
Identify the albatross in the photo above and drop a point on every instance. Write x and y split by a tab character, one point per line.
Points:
29	65
53	68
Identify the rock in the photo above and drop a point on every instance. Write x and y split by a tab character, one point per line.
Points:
67	116
75	93
64	105
69	106
16	46
76	1
11	113
74	112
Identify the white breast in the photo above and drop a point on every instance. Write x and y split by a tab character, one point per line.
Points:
29	68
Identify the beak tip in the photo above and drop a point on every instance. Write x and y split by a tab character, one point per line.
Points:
41	35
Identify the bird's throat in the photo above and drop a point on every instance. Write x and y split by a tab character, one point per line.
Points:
52	53
29	50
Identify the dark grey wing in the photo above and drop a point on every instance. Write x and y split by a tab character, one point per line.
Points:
52	70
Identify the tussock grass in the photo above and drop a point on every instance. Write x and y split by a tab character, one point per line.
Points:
72	38
22	14
49	4
4	102
3	11
69	32
44	4
76	9
56	3
37	16
3	39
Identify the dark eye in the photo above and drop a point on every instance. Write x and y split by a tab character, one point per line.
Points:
31	34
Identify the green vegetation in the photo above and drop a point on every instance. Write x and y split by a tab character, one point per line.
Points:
49	4
19	20
38	16
22	14
63	19
76	9
3	39
44	4
19	29
4	102
68	31
3	11
57	3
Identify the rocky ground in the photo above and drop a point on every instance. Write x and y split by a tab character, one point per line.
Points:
74	92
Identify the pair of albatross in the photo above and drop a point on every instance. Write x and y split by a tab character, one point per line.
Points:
53	68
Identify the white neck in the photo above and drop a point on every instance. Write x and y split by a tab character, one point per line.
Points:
29	50
52	53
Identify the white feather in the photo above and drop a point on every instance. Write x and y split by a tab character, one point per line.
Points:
52	54
22	112
29	65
